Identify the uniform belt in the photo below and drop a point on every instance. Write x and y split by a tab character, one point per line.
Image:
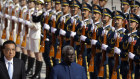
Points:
124	59
111	54
137	63
77	43
98	50
88	46
67	39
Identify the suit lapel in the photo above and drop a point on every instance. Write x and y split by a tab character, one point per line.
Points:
4	67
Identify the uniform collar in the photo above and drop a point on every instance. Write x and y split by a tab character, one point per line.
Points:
58	12
97	22
49	10
24	7
32	9
121	29
75	16
132	33
106	26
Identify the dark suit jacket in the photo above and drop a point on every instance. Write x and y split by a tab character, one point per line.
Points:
19	69
63	71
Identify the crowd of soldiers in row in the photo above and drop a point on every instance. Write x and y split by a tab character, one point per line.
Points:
106	41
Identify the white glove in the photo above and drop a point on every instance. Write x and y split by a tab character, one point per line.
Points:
53	17
62	32
130	39
131	55
46	26
21	20
115	35
72	34
7	16
83	24
62	19
73	20
14	18
117	50
83	38
53	30
104	32
47	39
93	42
104	46
46	14
0	14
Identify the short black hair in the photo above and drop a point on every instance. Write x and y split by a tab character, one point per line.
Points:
8	42
66	49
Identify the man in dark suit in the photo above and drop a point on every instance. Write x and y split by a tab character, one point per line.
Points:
10	67
68	69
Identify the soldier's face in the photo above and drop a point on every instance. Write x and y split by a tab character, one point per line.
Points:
49	5
9	51
23	2
15	1
95	1
65	9
119	22
39	7
31	5
106	19
135	10
97	16
70	56
86	13
133	25
125	7
57	6
86	0
102	3
74	10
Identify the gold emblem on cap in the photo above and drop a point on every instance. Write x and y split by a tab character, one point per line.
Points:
84	5
105	10
132	15
117	13
95	7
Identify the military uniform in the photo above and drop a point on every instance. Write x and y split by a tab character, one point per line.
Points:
125	46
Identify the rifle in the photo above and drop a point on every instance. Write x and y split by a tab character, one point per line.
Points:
6	21
19	28
93	50
131	50
80	59
101	70
13	26
73	29
114	20
122	8
51	54
58	55
42	48
114	73
130	62
26	32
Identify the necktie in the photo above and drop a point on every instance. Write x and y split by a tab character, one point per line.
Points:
10	70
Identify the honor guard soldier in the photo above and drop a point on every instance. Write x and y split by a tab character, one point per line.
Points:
102	3
47	15
75	7
97	24
23	11
35	35
119	30
67	22
104	29
31	56
125	6
95	2
125	45
135	56
135	7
